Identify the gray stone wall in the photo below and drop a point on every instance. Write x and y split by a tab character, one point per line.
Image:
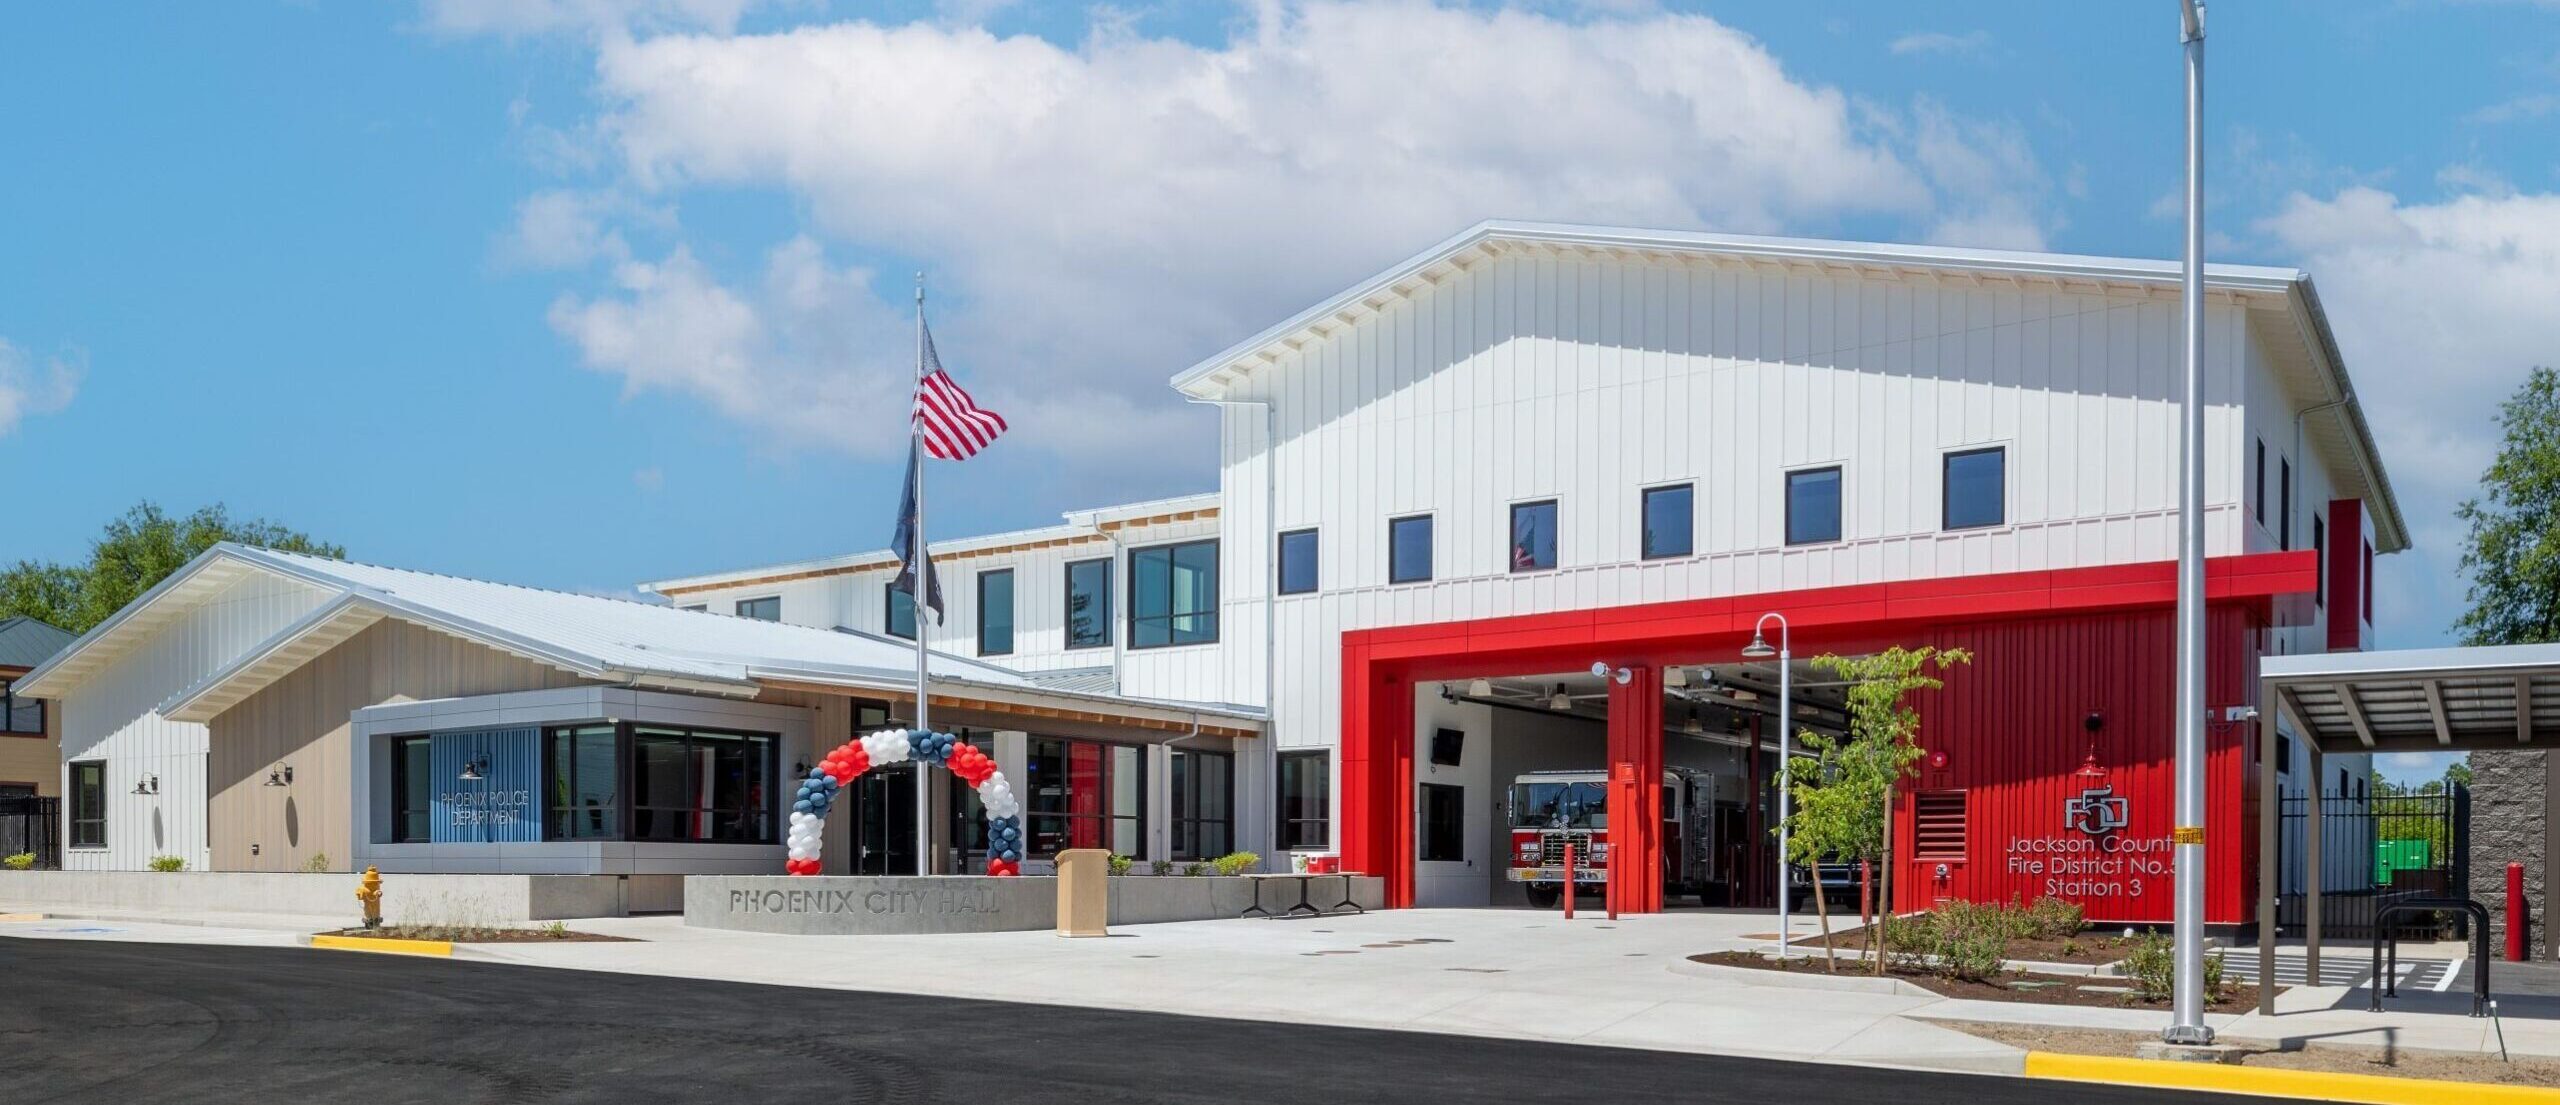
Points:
2507	826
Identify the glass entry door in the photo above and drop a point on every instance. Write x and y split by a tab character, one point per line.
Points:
884	821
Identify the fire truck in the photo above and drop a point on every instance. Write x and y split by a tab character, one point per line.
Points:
1550	809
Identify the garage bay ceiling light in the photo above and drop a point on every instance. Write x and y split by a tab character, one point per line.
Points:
1675	677
1560	700
1480	688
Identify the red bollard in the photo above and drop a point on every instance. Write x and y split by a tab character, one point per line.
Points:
2517	921
1568	881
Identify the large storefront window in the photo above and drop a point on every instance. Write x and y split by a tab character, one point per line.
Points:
583	802
1203	804
695	785
1085	794
1306	800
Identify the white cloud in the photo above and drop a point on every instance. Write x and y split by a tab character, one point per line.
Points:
2518	109
2440	308
651	480
28	388
1106	213
563	229
1941	42
520	18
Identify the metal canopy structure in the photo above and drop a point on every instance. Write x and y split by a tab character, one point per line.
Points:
2481	699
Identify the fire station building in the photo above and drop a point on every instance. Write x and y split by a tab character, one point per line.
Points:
1498	523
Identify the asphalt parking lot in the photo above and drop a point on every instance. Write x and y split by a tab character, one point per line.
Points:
134	1023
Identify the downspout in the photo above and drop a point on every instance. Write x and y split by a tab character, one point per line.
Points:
1270	581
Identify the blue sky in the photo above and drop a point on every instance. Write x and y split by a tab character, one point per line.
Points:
582	292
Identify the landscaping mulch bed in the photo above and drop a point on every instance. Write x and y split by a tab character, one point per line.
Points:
2330	1058
481	935
2031	989
2087	949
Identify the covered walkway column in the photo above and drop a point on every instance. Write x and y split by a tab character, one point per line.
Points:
1635	791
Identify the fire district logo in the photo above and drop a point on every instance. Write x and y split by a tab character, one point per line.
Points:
2097	811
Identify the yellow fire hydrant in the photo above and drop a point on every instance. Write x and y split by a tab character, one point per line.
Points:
369	891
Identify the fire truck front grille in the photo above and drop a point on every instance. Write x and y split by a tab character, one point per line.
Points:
1554	843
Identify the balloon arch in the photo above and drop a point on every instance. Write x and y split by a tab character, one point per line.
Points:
853	757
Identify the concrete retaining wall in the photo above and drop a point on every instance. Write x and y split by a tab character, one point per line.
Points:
406	899
855	905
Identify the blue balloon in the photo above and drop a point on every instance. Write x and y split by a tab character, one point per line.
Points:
801	806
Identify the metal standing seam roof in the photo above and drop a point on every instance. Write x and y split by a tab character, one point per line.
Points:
2478	698
26	642
590	635
1431	264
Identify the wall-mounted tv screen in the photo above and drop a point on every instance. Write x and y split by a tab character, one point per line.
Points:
1446	744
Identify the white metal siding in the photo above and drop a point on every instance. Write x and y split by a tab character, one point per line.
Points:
112	717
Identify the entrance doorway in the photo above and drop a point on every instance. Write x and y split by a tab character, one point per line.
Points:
884	821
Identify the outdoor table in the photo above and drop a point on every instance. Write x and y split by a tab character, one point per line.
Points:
1305	881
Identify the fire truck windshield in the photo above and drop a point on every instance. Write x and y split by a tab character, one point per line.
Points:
1559	806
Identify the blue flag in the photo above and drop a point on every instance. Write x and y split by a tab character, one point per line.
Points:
904	543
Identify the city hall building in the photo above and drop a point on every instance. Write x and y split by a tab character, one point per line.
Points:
1491	532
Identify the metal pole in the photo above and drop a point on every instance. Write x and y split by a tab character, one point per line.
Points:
923	587
1786	785
2187	1016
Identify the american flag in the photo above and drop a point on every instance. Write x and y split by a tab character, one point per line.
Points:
953	426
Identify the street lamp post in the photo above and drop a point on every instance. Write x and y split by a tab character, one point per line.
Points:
1759	649
2186	1025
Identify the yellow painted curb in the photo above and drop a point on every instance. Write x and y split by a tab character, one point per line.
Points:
16	917
2367	1089
384	944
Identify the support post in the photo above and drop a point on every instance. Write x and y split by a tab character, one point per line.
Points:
2270	851
2314	858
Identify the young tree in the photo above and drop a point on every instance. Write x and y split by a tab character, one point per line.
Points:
138	550
1851	793
2512	554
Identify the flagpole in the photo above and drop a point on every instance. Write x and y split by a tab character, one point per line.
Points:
923	585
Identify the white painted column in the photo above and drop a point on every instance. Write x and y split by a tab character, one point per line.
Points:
1159	800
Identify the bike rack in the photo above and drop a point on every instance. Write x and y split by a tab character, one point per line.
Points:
2386	982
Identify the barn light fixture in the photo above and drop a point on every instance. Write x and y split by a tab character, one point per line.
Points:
1675	676
1480	688
281	775
475	769
147	784
1559	700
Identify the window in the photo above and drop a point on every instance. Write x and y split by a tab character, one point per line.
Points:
2368	583
1670	521
2284	754
1533	536
1173	595
2258	497
413	791
1444	823
20	715
1204	790
1409	549
766	609
696	785
1976	489
1813	506
1298	562
2319	562
1938	820
1089	604
899	617
1084	794
995	612
582	801
89	804
1306	800
2284	504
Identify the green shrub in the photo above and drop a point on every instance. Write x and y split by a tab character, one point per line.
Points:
1120	864
557	930
1973	955
2152	965
1160	867
22	861
318	864
168	863
2056	919
1195	869
1236	863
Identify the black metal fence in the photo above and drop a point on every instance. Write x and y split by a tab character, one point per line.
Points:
2379	849
32	825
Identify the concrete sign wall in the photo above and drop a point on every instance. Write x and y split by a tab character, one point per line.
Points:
855	905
